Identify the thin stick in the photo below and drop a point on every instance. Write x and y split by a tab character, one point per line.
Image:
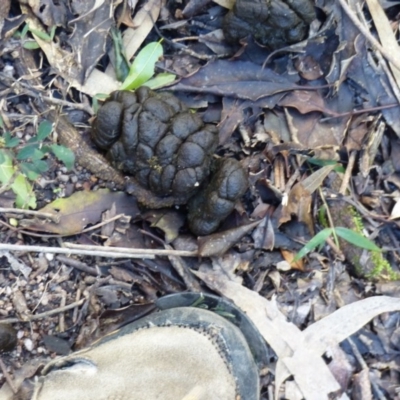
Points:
347	175
124	250
52	217
129	253
45	314
7	376
112	252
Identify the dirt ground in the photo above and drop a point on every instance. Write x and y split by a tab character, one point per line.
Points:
310	252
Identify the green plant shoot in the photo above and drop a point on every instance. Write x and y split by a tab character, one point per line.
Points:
346	234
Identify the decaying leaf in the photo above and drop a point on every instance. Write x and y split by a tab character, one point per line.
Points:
239	79
64	63
386	34
82	208
4	9
299	201
16	265
169	221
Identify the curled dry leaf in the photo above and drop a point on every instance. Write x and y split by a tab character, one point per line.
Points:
219	243
299	202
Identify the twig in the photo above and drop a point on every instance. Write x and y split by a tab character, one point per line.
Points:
347	175
105	222
76	309
129	253
124	250
45	314
59	102
79	265
61	317
7	376
52	217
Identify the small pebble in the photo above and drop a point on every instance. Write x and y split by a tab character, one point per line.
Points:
63	178
49	256
8	70
28	344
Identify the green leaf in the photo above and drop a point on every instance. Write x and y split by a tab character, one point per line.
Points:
31	45
2	123
317	240
44	130
142	69
30	151
322	163
52	32
160	80
356	239
34	169
64	154
6	167
23	189
12	142
28	169
24	31
42	35
40	166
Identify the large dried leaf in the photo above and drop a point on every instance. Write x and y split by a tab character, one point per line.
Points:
299	352
386	34
64	63
51	13
373	80
82	208
91	29
239	79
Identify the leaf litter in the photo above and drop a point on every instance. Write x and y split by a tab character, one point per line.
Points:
329	100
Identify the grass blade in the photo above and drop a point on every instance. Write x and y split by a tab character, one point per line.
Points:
317	240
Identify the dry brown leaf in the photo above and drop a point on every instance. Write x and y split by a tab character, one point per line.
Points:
386	34
219	243
62	61
144	21
299	202
4	9
168	220
289	257
16	265
395	210
80	209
